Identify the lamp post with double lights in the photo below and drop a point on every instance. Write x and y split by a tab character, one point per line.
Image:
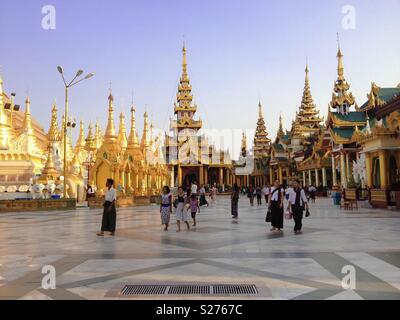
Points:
73	82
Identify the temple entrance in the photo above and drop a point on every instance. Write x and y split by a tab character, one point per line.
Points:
189	175
376	173
394	178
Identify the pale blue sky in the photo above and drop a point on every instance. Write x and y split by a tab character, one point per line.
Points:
238	51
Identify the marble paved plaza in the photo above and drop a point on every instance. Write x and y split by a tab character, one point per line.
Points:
219	250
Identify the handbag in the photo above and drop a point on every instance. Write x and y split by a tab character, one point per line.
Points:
176	203
268	217
288	215
307	213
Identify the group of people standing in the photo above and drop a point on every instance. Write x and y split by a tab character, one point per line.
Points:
193	199
297	203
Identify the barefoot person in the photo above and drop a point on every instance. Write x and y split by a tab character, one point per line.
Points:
194	207
110	212
235	201
203	200
166	207
297	204
276	206
181	213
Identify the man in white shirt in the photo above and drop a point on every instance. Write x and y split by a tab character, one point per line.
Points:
193	188
265	192
297	204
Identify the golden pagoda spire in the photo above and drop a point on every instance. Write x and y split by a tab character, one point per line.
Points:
184	108
280	130
145	140
80	143
110	134
261	140
27	127
342	99
27	132
133	140
90	144
339	56
54	134
184	62
244	143
122	132
307	119
98	139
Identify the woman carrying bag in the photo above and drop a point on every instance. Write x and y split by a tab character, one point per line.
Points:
276	206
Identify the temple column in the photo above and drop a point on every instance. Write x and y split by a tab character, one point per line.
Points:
324	182
221	176
227	177
128	181
122	179
287	174
368	169
348	173
309	178
206	176
383	168
179	176
280	175
201	175
304	179
271	173
343	178
316	178
172	176
334	175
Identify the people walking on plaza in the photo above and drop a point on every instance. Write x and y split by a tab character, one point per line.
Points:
181	213
235	201
259	195
194	207
307	192
109	213
312	191
203	200
166	207
276	206
193	188
297	203
265	191
250	194
213	193
288	190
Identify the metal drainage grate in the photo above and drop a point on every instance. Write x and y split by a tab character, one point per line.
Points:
186	289
131	290
189	290
242	289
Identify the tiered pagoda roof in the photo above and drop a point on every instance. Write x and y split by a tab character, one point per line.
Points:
261	140
307	119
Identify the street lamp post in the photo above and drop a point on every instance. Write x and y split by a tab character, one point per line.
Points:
73	82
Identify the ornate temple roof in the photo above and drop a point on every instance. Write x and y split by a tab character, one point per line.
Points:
261	141
307	119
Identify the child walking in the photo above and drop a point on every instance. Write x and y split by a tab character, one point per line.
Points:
194	207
